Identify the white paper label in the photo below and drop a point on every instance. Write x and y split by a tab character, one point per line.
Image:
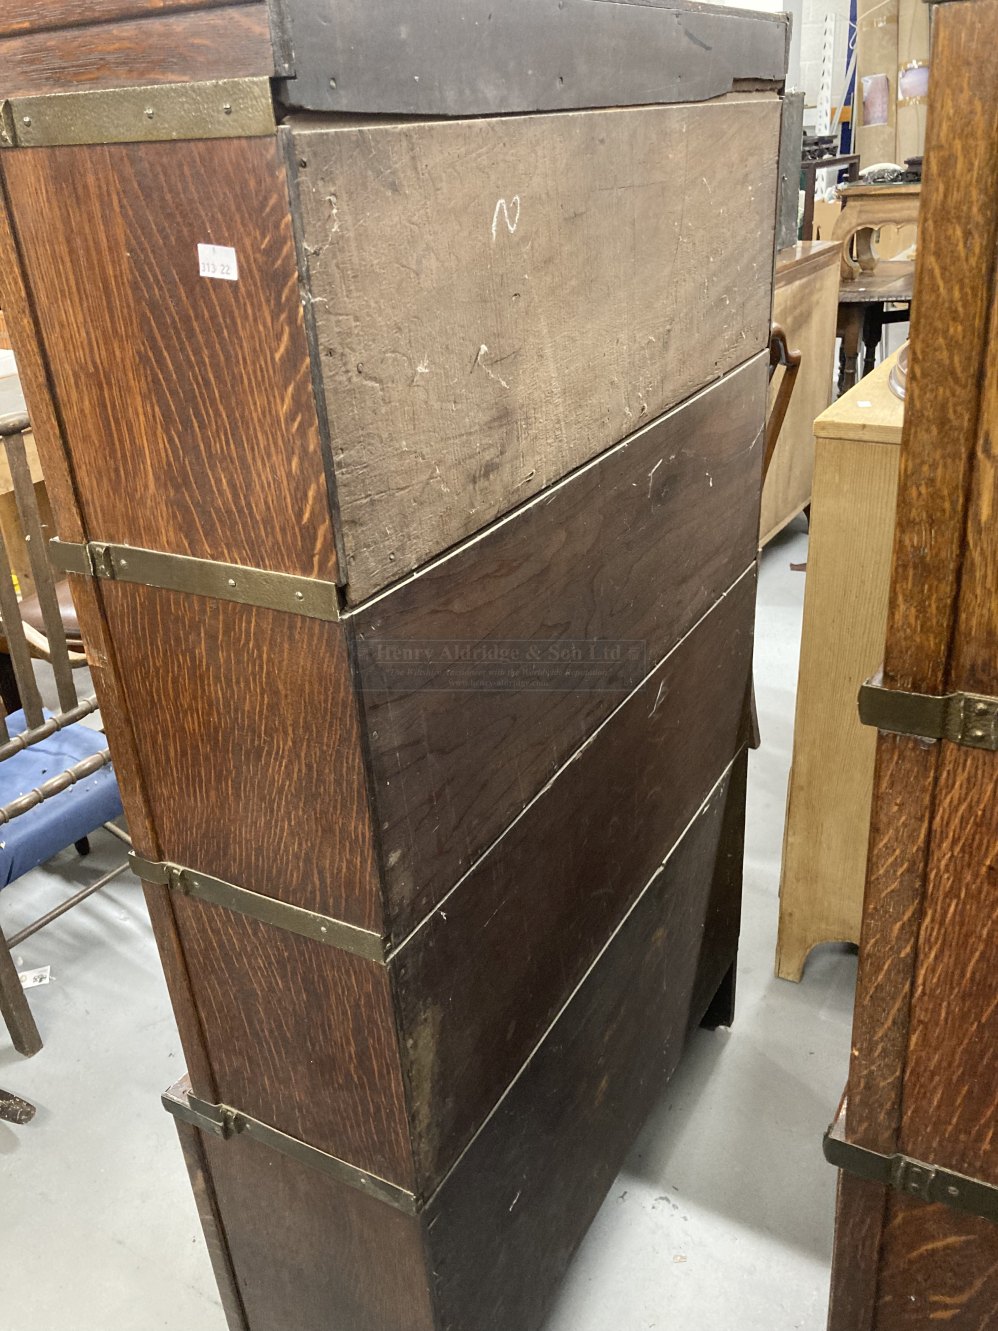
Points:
218	261
29	979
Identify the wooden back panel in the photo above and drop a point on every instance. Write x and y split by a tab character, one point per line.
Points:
483	331
626	555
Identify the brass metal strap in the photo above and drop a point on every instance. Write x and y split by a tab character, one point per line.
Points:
970	719
216	109
912	1177
226	1122
314	598
280	914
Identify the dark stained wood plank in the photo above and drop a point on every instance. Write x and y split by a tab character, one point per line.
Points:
301	1036
859	1220
636	547
35	15
212	1225
223	43
311	1254
469	361
503	1227
481	980
247	727
199	389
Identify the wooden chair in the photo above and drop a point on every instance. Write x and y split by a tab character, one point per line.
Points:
56	782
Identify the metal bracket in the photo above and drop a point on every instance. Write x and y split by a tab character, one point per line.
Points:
970	719
217	109
226	1122
280	914
914	1178
312	597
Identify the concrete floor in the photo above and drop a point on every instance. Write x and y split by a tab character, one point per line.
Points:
720	1221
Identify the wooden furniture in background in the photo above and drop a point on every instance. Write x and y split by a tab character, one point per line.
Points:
842	644
863	313
804	306
923	1079
809	170
441	839
865	209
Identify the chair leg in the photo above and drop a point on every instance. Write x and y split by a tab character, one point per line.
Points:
14	1007
82	846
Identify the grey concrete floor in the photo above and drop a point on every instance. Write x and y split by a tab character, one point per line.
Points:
720	1221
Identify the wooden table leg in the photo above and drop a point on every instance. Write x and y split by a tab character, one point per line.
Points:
851	332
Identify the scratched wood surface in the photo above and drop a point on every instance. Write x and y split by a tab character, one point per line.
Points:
480	982
35	15
232	41
926	992
198	388
250	747
505	1224
496	301
632	550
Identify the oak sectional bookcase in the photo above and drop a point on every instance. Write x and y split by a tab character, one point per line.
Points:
400	376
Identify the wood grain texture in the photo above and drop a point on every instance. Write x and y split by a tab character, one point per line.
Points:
301	1036
805	305
224	43
634	548
250	746
310	1253
826	835
497	301
948	357
199	389
23	332
505	1224
480	982
21	16
939	1268
860	1209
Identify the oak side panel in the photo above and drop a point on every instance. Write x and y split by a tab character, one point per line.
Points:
939	1268
224	43
496	301
194	394
483	978
35	15
504	1226
826	837
309	1253
301	1036
949	354
634	548
246	724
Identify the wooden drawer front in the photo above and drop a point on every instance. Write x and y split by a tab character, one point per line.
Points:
634	548
69	46
481	980
246	723
187	402
497	301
